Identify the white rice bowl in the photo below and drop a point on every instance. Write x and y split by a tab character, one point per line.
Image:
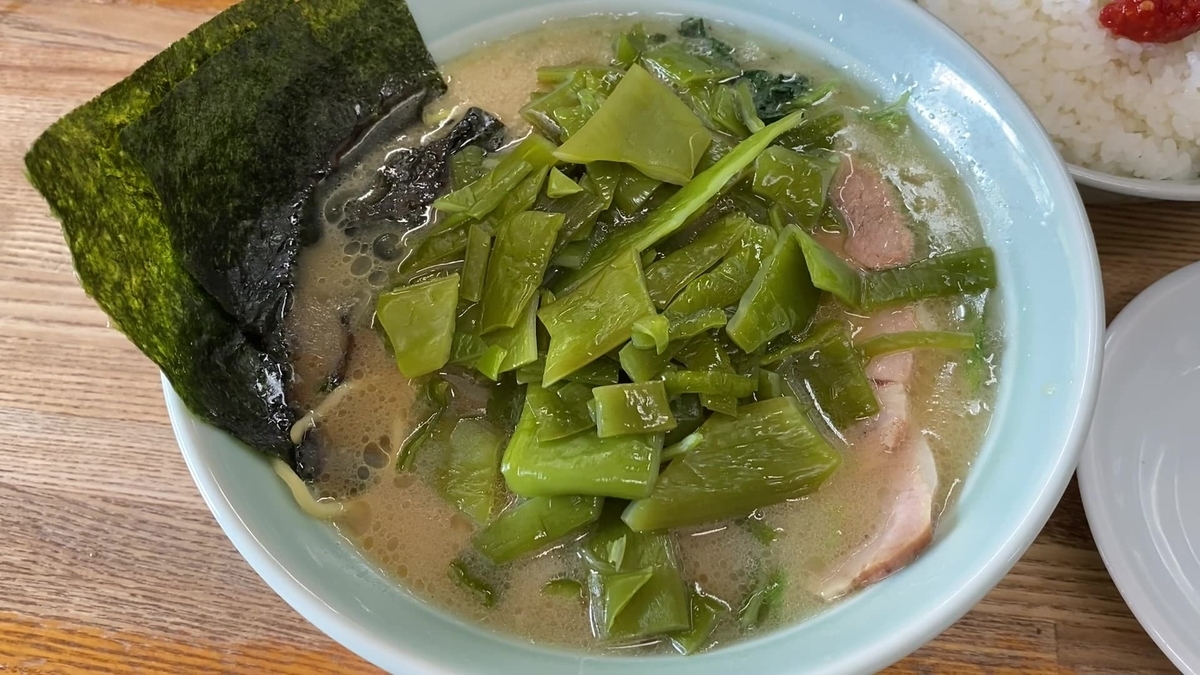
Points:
1112	105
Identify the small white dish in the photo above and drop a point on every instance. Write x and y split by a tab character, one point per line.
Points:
1140	469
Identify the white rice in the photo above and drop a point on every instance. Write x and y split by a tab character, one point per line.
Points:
1110	104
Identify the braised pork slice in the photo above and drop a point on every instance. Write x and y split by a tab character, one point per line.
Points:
878	237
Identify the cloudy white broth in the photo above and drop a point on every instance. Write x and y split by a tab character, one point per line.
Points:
888	395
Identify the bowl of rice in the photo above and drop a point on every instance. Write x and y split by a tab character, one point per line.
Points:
1124	114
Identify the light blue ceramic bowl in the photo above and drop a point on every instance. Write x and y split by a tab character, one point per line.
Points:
1053	316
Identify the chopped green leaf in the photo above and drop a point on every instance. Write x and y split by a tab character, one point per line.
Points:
419	321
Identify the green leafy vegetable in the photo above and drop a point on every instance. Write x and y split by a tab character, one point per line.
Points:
559	412
652	332
769	453
949	274
641	408
596	317
781	298
644	125
763	600
564	588
479	248
624	467
705	612
831	370
704	353
468	476
889	343
724	285
473	583
796	182
534	524
710	382
560	185
627	606
519	259
667	277
419	321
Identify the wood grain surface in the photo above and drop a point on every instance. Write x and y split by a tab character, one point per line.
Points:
109	560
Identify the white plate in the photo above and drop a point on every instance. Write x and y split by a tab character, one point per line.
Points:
1140	469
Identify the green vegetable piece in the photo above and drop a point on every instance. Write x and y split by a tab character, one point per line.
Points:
711	382
519	259
436	399
535	524
436	249
780	299
717	105
796	182
891	118
762	601
689	415
831	370
643	365
659	606
583	464
479	198
559	412
652	332
603	178
519	342
770	384
628	47
524	195
479	248
817	133
564	588
555	75
673	63
725	284
619	589
767	454
531	373
641	408
491	361
705	611
745	106
597	373
466	166
468	476
829	272
634	189
571	256
419	321
473	583
667	277
704	353
642	124
673	213
889	343
969	271
596	317
560	185
681	327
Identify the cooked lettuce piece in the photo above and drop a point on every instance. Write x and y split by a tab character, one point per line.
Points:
889	343
479	249
667	277
535	524
624	467
469	468
560	185
769	453
724	285
639	408
519	259
828	367
419	321
559	411
596	317
705	353
706	610
780	299
940	276
635	582
644	125
796	182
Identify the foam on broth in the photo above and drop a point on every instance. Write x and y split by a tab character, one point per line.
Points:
404	527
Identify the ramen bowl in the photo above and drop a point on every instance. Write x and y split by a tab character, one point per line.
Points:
1051	314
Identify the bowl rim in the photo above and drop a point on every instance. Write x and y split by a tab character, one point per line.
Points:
1146	188
1033	515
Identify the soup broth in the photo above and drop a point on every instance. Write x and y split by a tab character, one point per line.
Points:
365	409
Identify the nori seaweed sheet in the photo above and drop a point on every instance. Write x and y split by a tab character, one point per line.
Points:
130	249
236	149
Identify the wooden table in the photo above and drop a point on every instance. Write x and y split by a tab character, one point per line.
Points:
109	560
